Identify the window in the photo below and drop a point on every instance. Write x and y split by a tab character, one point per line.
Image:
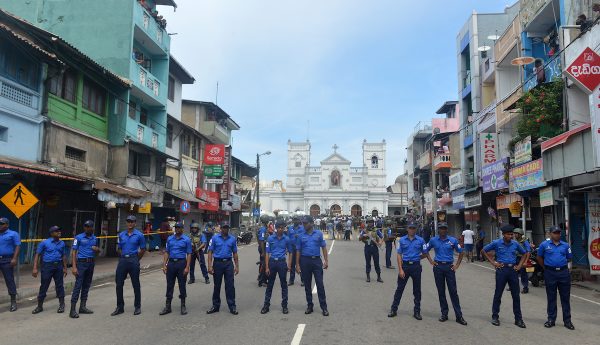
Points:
139	164
74	154
94	97
161	169
374	162
17	67
168	182
3	134
185	144
132	112
298	164
171	92
64	86
194	148
169	135
144	116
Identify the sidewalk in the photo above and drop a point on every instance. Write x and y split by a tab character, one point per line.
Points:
103	272
594	286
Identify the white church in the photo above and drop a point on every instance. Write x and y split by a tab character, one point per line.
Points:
334	187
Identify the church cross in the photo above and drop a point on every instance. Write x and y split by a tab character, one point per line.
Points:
335	147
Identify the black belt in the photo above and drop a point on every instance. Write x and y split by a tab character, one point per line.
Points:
129	256
552	268
52	262
85	260
6	256
223	260
277	259
311	257
175	259
445	262
408	263
507	265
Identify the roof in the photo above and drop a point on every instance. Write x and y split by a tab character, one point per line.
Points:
55	48
247	170
212	106
446	107
39	170
166	3
178	71
336	157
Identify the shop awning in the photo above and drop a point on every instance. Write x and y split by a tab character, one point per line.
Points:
34	169
120	190
182	195
562	138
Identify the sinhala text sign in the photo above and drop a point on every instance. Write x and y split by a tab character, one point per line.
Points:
593	217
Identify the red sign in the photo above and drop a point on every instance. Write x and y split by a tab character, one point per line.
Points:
585	70
208	200
214	154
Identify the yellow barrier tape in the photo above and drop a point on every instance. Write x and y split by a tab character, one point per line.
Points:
34	240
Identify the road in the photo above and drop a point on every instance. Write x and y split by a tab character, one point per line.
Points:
358	313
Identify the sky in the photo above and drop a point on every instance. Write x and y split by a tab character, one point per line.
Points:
335	71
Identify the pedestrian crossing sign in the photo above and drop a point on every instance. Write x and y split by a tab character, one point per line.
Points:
19	200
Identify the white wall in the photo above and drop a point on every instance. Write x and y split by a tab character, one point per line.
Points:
174	108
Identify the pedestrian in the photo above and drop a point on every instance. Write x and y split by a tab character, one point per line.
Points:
83	253
330	230
176	266
524	242
294	232
480	242
10	246
262	237
309	263
506	266
339	228
54	267
198	246
348	230
221	249
390	242
372	238
444	270
554	255
278	250
131	246
411	249
468	237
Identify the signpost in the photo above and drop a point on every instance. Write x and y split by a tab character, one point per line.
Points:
184	207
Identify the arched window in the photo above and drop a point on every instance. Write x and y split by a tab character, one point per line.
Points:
356	211
374	162
375	213
335	210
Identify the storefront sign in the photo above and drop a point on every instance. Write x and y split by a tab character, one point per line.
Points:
236	200
504	201
515	208
585	70
493	176
595	117
527	176
225	185
208	200
428	202
213	170
214	154
214	180
473	199
523	151
593	216
546	197
145	208
489	148
456	180
458	199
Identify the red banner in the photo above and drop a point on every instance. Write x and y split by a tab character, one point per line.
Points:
211	199
214	154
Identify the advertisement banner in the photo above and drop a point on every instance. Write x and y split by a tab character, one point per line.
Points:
473	199
493	176
456	181
213	170
458	199
546	197
225	185
214	154
595	117
208	200
523	151
236	200
527	176
504	201
593	216
585	70
489	148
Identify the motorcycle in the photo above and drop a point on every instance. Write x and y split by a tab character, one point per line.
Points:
535	271
244	237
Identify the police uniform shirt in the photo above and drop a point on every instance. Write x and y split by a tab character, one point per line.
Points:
130	244
370	239
9	240
278	247
51	250
411	250
223	247
179	247
555	255
309	244
505	253
262	234
444	248
83	244
299	230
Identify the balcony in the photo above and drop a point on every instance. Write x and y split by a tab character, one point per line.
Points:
360	170
442	161
421	131
466	83
424	160
468	141
215	132
552	70
314	170
146	86
145	26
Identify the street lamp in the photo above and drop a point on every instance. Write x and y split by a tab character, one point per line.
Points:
257	204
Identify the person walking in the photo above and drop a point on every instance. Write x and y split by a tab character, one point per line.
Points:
480	242
295	230
54	267
390	242
278	251
83	253
468	237
10	247
221	249
176	266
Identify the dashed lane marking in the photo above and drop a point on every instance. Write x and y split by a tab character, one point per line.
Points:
298	334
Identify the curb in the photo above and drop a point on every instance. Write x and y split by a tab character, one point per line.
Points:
587	287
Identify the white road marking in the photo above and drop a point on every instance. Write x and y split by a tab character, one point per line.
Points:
314	291
298	334
331	248
99	285
486	267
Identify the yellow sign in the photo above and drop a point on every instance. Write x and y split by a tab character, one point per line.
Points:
515	208
146	208
19	200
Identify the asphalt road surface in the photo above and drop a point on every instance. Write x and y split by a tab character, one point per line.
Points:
358	312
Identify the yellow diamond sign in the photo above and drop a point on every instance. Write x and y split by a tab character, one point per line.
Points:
19	200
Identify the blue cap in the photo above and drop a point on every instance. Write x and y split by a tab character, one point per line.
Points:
89	223
555	229
507	228
179	225
412	225
3	220
131	218
280	224
308	220
225	226
54	228
442	225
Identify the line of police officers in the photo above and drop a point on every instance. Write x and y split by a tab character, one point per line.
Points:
300	249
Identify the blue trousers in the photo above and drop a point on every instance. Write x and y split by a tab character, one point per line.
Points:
175	272
561	281
277	267
388	253
414	272
129	266
372	251
507	275
50	271
83	281
200	257
293	271
445	276
223	269
8	272
313	266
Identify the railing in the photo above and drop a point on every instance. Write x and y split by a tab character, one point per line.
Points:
468	135
314	169
358	170
466	81
148	24
424	160
144	80
441	161
552	71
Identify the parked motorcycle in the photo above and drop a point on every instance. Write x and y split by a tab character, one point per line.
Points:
244	237
535	271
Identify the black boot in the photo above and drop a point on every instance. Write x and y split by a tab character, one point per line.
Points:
73	313
368	277
83	308
61	305
379	280
13	303
167	309
183	308
39	308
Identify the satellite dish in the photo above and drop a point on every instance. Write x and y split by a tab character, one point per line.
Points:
436	130
522	61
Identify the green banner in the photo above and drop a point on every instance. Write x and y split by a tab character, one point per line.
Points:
213	170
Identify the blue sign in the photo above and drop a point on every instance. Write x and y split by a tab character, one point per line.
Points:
256	212
458	199
184	207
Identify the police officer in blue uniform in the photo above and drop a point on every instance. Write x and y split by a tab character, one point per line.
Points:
262	238
54	266
221	248
309	262
10	246
176	266
506	266
444	270
390	242
293	234
199	243
278	261
372	239
411	249
83	252
131	248
555	255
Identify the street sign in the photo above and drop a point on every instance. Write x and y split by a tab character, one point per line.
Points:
214	180
184	207
213	170
19	200
256	212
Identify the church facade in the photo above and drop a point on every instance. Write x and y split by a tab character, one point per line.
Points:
335	186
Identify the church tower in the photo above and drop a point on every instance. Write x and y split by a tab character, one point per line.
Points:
374	160
298	160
